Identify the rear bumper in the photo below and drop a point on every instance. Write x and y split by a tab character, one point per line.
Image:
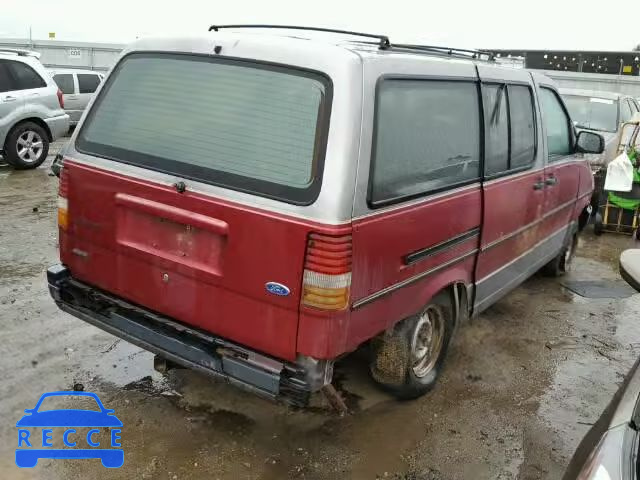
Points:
58	126
189	347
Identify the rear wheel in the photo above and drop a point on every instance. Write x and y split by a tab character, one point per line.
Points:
407	360
26	146
561	264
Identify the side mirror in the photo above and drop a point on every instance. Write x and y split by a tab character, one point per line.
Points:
589	142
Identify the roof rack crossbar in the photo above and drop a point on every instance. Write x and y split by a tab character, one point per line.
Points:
383	40
476	54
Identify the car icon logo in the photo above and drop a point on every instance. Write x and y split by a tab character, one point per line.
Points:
28	452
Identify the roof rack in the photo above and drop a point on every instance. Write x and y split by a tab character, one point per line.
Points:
474	54
20	52
383	40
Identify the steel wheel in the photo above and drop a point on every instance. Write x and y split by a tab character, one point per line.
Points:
29	146
427	341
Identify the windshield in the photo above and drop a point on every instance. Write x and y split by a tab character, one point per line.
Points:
238	124
66	402
592	112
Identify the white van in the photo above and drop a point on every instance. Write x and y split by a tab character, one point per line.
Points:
78	86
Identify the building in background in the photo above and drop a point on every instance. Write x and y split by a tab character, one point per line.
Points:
57	54
616	63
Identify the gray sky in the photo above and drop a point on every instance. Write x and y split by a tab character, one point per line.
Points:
558	24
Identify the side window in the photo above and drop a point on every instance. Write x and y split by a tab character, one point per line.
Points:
25	76
557	124
626	111
6	82
496	120
65	82
427	138
523	128
88	82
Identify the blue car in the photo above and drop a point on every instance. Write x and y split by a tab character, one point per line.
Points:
67	418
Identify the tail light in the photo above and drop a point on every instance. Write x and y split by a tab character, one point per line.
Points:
60	98
327	272
63	204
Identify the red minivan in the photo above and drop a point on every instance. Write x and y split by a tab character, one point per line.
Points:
255	206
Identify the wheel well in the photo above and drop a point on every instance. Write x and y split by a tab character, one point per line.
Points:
456	297
37	121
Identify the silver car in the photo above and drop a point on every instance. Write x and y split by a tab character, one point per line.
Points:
602	112
609	451
78	87
31	109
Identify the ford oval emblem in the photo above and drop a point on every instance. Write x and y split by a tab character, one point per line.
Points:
277	289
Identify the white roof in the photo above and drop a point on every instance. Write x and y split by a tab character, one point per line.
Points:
55	71
591	93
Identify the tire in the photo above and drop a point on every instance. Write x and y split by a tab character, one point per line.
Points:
407	360
561	264
598	227
26	146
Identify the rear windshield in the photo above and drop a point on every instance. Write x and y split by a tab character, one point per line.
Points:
258	128
592	112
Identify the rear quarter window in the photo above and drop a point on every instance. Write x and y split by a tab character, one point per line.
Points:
247	126
427	138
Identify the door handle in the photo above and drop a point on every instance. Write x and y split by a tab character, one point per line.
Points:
551	181
10	99
539	185
72	97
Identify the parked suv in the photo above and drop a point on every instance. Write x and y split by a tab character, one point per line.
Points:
302	197
602	112
78	87
31	109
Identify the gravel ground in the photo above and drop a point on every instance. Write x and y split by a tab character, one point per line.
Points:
522	384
